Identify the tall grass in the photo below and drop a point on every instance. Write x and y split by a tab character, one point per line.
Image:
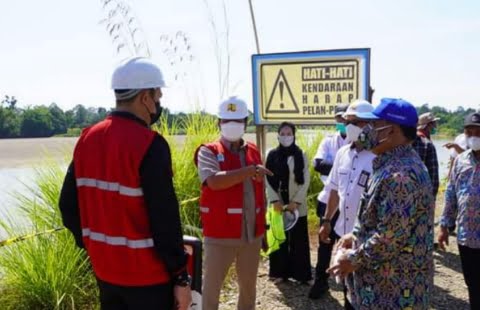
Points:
47	271
199	128
309	144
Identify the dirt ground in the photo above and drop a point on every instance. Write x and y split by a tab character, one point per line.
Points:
450	291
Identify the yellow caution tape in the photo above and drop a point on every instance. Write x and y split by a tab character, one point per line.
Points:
28	236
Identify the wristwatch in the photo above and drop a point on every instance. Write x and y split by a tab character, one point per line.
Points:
183	280
324	220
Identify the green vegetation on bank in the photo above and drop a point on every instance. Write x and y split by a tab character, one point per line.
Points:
47	121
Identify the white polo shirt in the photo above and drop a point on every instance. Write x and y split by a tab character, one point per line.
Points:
349	176
327	150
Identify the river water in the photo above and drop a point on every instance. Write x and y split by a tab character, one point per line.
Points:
16	180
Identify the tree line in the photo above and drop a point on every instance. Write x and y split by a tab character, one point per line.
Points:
47	121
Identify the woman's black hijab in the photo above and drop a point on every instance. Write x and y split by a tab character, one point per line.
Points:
277	163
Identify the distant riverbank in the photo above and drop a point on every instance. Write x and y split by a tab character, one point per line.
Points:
16	153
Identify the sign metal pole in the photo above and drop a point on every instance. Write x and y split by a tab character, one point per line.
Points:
260	129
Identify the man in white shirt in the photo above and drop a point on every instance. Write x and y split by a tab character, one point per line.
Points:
347	181
322	163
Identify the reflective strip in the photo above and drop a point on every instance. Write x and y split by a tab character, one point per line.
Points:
234	211
204	209
117	241
110	186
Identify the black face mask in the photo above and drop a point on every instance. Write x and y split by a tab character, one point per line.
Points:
155	116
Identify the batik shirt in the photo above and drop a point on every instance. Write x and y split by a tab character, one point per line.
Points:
462	200
394	236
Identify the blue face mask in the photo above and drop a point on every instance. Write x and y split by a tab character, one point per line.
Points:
340	127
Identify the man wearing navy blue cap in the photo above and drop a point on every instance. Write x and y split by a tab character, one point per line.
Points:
390	251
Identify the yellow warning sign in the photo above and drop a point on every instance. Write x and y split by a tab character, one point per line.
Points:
306	87
281	100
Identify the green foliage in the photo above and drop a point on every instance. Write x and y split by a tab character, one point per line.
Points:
71	132
42	121
48	271
309	143
9	123
199	128
59	121
37	122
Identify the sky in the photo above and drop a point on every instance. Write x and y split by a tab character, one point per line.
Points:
425	51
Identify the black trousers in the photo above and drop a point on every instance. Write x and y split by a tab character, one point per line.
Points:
325	249
292	260
115	297
471	273
325	253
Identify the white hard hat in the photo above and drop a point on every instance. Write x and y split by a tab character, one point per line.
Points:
232	108
137	73
357	107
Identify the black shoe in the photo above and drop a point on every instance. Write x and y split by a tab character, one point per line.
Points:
319	288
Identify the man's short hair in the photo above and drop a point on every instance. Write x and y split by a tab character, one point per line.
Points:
409	132
128	95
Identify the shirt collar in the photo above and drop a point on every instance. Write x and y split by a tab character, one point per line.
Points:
393	154
228	144
130	116
469	154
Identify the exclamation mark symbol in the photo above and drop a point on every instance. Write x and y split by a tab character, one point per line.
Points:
281	95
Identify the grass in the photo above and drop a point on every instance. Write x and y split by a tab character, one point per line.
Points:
199	128
47	271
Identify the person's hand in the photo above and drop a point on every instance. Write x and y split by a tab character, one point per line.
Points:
265	243
324	232
292	206
443	237
260	172
455	146
277	206
343	267
346	241
183	297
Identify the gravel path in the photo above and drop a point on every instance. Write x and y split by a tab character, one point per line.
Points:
450	292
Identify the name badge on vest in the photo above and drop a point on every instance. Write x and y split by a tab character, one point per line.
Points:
220	157
363	180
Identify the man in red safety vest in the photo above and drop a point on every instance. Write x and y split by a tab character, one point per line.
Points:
119	202
232	206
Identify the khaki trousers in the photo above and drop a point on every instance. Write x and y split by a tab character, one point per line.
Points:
218	259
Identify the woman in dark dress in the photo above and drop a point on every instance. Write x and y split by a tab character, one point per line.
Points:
287	190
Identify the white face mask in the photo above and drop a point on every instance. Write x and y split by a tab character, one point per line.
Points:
474	143
286	141
232	131
353	132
